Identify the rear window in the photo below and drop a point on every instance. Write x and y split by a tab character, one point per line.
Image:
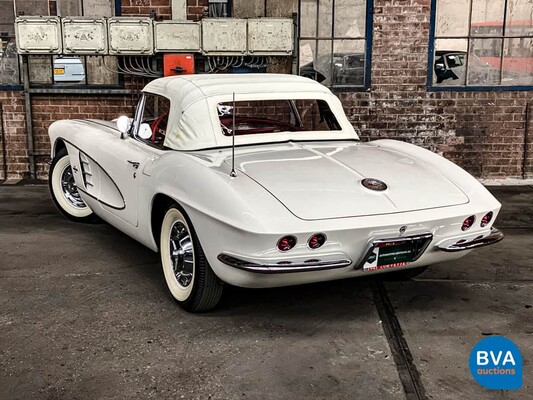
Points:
269	116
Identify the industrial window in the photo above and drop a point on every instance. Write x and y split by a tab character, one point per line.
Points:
335	42
55	70
481	44
9	65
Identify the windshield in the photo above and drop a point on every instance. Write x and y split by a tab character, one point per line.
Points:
269	116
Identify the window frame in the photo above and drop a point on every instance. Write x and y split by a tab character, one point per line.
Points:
139	115
369	22
431	87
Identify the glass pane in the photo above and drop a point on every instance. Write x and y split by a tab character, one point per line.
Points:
487	17
40	69
69	70
315	115
7	18
350	18
101	70
348	62
259	117
31	7
323	61
452	17
9	63
325	14
518	62
308	18
315	60
307	60
519	18
484	62
66	8
449	68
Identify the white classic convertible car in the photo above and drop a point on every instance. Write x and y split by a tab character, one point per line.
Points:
261	181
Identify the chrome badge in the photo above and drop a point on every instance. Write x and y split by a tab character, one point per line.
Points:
374	184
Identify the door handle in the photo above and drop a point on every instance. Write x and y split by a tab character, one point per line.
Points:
135	164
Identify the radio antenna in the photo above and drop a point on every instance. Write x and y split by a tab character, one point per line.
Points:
233	174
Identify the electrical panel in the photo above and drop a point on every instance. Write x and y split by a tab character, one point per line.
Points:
178	64
84	35
38	35
130	36
270	36
224	36
177	36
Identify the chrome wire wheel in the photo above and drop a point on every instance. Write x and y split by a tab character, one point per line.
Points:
65	192
189	277
177	254
69	188
181	254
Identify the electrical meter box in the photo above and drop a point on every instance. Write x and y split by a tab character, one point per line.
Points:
38	35
224	36
130	36
177	36
270	36
84	35
178	64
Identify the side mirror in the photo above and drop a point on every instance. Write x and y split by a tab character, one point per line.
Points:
145	132
124	124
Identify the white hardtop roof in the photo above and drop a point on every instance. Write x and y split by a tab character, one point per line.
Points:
193	121
196	87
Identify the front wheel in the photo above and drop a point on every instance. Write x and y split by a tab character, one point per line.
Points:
189	277
65	192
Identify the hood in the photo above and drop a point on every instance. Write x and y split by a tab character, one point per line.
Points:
321	181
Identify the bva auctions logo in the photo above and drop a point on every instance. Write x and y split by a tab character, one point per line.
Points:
496	363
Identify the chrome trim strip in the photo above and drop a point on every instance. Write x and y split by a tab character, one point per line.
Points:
315	264
494	237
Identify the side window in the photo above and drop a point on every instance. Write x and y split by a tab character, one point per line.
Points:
155	114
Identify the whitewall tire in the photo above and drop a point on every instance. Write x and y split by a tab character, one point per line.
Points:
64	190
188	275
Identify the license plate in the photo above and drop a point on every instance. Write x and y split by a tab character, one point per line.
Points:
398	252
59	71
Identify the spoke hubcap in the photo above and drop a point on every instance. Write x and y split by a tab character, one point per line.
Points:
70	190
181	254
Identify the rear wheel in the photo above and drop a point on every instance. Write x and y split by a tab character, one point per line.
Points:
189	277
403	275
65	192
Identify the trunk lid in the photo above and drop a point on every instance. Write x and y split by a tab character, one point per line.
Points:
322	181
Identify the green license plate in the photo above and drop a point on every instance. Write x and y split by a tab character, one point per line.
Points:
395	252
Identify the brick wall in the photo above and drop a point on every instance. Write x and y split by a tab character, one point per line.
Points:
481	131
145	7
14	130
196	9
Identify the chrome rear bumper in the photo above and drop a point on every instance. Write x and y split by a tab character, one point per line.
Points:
494	237
284	266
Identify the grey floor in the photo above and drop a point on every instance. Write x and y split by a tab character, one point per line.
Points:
85	314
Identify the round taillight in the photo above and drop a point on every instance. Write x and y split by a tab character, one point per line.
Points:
286	243
486	218
316	241
467	223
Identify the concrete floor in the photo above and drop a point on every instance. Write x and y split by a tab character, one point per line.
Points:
85	314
